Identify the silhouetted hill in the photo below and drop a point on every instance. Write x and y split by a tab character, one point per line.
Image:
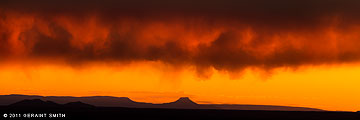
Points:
35	103
182	103
105	101
13	98
108	101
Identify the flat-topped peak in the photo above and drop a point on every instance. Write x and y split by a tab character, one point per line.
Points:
184	100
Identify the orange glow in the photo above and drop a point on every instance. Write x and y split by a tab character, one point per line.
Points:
327	87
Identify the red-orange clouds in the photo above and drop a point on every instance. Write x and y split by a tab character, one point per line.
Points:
227	35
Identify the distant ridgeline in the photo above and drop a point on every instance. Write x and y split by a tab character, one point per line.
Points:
108	101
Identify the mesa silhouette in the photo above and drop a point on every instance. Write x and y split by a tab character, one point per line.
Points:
108	101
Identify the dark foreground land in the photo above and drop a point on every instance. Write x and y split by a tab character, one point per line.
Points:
105	113
183	108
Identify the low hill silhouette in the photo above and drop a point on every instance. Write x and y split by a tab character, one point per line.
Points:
183	101
186	103
35	103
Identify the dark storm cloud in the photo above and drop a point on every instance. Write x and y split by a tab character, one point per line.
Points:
266	18
47	46
247	9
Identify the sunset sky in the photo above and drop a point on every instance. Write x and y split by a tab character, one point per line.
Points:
302	53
